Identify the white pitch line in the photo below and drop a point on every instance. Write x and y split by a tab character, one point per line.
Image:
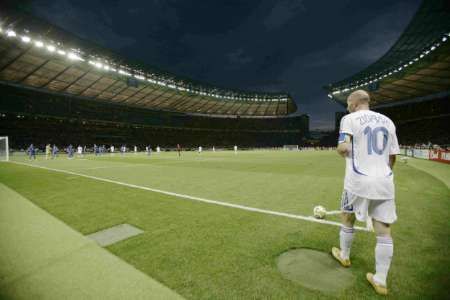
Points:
333	212
243	207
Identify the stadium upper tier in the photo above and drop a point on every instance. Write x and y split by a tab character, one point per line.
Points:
416	67
38	55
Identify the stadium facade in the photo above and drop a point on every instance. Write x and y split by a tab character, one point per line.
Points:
74	91
411	82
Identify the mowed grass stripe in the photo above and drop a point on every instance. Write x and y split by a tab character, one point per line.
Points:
182	196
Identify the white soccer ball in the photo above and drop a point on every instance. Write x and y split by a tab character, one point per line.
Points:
319	212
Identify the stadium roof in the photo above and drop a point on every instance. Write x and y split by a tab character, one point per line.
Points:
38	55
415	68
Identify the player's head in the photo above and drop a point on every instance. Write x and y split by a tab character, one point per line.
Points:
357	100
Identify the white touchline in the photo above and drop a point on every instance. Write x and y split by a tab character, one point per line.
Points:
243	207
333	212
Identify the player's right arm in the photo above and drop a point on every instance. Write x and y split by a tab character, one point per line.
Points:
344	144
345	137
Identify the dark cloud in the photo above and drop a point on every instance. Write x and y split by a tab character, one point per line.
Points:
285	45
282	12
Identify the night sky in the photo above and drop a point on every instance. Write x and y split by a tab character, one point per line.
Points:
292	46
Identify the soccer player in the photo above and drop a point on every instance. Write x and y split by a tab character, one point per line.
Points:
200	149
369	144
179	150
235	149
32	152
80	151
54	151
47	151
70	151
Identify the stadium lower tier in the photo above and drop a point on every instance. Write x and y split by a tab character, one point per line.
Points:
29	116
24	130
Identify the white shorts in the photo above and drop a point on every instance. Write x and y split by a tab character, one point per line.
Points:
380	210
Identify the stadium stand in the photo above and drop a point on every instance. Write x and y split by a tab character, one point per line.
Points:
411	82
51	79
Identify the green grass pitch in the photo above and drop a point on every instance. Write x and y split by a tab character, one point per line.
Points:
206	251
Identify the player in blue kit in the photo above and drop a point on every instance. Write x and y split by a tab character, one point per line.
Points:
31	152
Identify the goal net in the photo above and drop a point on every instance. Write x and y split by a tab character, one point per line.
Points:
4	148
290	147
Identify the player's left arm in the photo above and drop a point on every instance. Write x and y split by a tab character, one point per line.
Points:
392	159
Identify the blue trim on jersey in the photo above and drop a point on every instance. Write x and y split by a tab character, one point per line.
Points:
341	138
353	160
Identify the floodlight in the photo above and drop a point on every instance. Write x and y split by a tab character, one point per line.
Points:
444	39
26	39
39	44
73	56
11	33
51	48
61	52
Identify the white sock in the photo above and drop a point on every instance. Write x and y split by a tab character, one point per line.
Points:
346	238
383	256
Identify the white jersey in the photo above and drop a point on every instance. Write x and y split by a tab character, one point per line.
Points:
80	150
367	172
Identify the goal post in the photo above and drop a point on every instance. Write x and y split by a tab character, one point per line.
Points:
4	148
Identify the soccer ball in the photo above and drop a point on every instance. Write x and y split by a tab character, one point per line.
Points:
319	212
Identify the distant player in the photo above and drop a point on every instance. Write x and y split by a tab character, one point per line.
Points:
369	144
111	149
135	149
200	149
158	149
54	151
96	150
80	151
32	152
179	150
70	151
48	150
235	149
214	149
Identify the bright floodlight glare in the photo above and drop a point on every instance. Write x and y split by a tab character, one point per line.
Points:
432	48
39	44
444	39
61	52
10	33
26	39
73	56
51	48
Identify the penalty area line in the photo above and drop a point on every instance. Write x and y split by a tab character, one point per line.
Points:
194	198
